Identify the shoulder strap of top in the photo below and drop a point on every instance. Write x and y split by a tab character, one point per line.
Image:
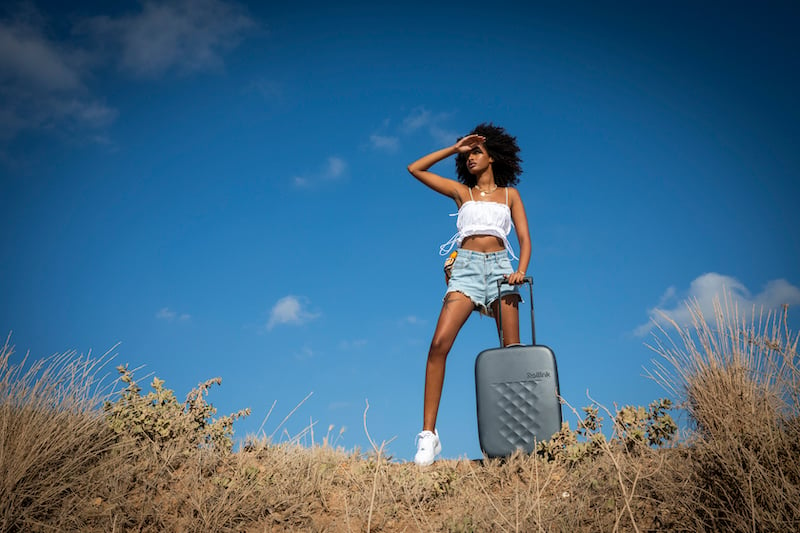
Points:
470	194
506	195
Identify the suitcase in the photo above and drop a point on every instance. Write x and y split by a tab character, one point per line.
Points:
517	395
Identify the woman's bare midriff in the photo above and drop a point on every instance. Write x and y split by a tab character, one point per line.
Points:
483	243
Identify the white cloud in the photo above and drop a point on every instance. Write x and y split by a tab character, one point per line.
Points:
352	345
165	314
41	82
334	168
181	35
168	315
411	319
28	57
269	90
419	119
706	288
290	310
301	182
45	70
384	142
442	135
304	354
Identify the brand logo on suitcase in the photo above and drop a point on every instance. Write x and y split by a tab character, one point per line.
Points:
538	375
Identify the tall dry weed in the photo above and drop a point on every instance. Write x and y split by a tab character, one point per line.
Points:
740	383
52	437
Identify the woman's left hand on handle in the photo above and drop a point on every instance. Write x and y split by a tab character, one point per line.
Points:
516	278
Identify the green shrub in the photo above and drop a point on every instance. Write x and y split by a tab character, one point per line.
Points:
158	417
637	426
634	428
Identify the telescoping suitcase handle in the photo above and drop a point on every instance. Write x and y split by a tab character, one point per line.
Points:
529	281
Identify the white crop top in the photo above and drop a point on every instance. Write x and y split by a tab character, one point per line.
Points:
481	218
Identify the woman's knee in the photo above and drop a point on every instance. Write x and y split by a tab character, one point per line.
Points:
440	347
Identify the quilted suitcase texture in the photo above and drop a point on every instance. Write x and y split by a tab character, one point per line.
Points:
517	395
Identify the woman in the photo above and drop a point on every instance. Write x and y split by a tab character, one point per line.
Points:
487	165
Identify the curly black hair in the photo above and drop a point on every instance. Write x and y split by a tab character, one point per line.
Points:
502	148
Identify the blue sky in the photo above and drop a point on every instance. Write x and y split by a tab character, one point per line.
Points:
220	188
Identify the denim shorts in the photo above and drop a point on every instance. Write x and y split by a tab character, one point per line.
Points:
475	274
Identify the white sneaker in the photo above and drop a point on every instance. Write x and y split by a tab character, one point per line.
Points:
428	447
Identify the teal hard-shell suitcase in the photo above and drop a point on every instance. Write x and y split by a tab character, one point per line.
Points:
517	395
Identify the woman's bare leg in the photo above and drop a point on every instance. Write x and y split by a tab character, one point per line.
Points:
455	311
510	316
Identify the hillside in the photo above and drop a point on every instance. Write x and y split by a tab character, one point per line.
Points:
77	459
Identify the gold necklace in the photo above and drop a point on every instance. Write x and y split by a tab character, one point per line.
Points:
486	193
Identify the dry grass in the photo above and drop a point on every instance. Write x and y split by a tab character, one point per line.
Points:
52	435
741	384
64	470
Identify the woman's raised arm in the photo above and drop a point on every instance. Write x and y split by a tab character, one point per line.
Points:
447	187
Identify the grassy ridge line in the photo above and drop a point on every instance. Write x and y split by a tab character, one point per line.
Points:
147	462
